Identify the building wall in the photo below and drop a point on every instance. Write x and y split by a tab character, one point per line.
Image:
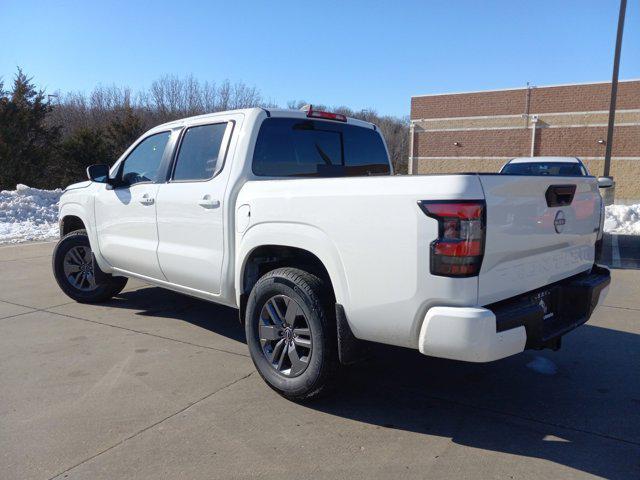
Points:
482	130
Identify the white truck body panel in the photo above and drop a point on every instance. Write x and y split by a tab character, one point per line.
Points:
379	238
126	228
190	219
468	334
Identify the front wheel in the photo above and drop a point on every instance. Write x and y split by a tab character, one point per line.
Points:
291	333
73	270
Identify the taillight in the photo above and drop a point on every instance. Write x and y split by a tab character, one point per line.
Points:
458	250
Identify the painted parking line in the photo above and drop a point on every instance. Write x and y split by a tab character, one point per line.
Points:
615	252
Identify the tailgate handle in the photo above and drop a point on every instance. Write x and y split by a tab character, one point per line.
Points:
560	195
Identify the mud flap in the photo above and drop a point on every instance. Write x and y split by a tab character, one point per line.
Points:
98	274
350	349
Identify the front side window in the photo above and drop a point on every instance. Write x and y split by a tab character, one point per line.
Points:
200	152
142	164
289	147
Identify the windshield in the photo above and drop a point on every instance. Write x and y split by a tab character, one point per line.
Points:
565	169
289	147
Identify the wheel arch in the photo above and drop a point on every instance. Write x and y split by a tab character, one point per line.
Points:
71	223
265	247
72	216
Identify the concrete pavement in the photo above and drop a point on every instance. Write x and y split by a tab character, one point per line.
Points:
157	385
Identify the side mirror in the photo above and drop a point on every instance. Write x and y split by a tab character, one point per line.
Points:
605	182
98	173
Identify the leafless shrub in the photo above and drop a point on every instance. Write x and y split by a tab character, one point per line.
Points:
168	98
171	97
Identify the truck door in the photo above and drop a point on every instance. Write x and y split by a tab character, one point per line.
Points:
126	214
191	206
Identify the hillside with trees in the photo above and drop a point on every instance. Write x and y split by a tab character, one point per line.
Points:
48	140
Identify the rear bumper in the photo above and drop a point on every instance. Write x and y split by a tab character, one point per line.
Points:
485	334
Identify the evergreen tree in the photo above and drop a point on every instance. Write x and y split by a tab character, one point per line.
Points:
123	131
82	148
26	141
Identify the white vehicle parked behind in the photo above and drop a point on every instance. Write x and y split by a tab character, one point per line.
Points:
295	218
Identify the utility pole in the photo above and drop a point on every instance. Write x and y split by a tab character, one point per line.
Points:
411	134
614	88
534	124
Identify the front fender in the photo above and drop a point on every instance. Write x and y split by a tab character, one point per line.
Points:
296	235
81	206
74	209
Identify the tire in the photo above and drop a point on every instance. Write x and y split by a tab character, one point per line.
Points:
312	323
73	253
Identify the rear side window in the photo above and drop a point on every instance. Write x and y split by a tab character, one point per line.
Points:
545	168
288	147
199	152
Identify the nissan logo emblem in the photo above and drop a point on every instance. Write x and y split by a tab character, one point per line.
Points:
559	221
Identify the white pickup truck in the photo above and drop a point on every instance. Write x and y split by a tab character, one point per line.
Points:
295	218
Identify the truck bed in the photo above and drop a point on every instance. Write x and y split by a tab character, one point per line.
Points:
381	240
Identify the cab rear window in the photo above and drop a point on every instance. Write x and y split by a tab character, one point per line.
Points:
288	147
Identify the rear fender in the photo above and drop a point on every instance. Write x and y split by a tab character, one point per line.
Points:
305	237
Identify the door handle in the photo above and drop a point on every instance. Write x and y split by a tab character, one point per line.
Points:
146	199
208	202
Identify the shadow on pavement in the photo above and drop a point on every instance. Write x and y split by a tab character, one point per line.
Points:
159	302
585	416
579	417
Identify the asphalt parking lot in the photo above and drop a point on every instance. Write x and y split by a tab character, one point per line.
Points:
158	385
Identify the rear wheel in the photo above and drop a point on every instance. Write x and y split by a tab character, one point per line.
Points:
74	271
291	333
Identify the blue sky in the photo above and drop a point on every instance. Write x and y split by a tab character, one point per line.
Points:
363	54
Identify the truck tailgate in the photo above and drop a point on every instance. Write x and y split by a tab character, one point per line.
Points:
537	232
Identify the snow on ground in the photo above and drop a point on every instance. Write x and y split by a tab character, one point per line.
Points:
28	214
622	219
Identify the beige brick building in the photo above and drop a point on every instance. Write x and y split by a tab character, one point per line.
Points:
479	131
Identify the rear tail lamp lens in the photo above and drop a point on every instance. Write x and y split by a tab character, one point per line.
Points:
459	248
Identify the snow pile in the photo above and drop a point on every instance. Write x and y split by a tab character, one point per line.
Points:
622	219
28	214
